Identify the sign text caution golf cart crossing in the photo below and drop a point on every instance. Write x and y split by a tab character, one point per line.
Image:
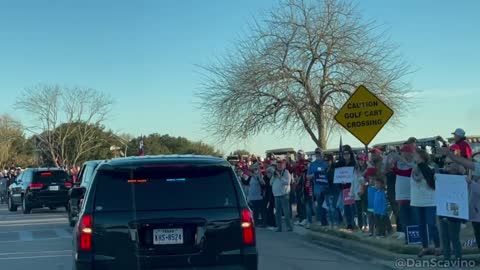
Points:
364	115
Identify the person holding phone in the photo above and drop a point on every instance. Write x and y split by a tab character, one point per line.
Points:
280	182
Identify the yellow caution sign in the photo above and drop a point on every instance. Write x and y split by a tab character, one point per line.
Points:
364	115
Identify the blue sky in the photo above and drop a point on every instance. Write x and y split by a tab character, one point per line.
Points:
145	55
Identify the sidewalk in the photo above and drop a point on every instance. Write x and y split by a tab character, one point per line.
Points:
383	251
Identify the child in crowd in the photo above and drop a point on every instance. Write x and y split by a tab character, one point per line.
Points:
380	207
372	190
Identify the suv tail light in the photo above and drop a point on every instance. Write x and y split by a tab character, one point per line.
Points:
36	186
85	233
68	184
248	229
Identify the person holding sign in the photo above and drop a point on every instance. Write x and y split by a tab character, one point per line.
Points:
474	167
403	169
317	172
348	160
449	226
422	189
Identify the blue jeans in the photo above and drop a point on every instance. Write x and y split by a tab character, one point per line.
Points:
309	208
321	212
349	211
450	231
282	205
426	217
333	217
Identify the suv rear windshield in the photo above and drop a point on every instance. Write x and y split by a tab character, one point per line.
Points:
165	189
47	177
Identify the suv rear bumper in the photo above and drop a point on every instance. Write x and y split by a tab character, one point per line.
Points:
250	262
40	201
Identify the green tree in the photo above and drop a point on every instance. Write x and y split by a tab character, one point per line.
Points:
157	144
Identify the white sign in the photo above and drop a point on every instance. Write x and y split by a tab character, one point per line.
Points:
451	196
343	175
402	188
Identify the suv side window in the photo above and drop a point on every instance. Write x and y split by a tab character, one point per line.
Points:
81	174
27	177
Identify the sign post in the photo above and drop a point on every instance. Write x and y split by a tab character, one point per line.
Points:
364	115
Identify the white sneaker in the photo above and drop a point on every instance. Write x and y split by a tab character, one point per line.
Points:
304	223
297	223
401	235
272	228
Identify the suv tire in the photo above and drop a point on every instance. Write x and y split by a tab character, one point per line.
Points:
11	207
25	207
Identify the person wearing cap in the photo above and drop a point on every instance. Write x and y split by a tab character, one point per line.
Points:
461	146
256	194
357	189
269	199
474	167
280	182
375	169
299	168
317	173
403	168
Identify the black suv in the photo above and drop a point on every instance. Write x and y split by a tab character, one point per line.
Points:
40	187
79	189
174	212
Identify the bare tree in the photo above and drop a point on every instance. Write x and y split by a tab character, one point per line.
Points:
61	115
296	69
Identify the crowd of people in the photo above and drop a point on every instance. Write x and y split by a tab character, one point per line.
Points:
9	174
276	186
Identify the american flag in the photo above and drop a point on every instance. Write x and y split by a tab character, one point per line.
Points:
141	148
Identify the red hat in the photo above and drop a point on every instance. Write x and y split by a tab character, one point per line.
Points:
376	150
408	148
363	157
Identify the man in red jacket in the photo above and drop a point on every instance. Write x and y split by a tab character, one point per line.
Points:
461	146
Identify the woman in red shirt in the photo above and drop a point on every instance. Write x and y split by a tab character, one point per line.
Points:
403	167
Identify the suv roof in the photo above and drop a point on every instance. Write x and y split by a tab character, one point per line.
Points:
142	160
46	169
96	161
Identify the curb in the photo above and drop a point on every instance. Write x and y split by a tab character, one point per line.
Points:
367	252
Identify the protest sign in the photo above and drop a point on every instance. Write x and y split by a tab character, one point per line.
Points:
413	235
451	196
343	175
402	188
347	199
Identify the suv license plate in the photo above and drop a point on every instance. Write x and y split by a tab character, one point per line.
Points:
53	188
168	236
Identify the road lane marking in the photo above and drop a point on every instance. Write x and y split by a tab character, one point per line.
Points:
35	257
25	236
28	224
35	252
33	220
35	240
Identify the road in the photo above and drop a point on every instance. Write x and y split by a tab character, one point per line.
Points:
42	241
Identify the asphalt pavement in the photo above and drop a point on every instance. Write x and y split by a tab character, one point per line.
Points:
42	241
